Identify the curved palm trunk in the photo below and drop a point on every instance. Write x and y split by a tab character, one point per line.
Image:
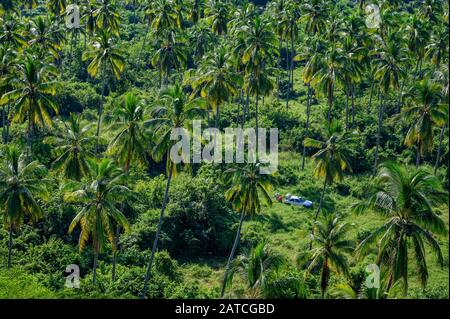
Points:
9	247
231	257
330	102
438	155
94	268
158	232
318	211
308	106
380	120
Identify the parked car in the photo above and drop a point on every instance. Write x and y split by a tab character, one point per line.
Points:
297	201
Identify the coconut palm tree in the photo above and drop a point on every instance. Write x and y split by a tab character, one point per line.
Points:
406	197
57	7
247	188
106	59
98	198
107	16
73	148
217	15
196	11
216	80
315	16
255	266
21	182
11	32
330	236
331	159
442	77
46	37
7	65
389	55
173	111
170	56
425	113
32	94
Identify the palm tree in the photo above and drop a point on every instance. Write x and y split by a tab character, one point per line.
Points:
329	73
216	80
196	10
315	16
57	7
217	13
46	36
106	16
7	65
32	94
161	15
418	37
332	244
130	142
388	57
173	111
20	185
254	267
170	56
442	77
99	198
247	188
106	59
425	113
11	32
407	198
331	159
73	147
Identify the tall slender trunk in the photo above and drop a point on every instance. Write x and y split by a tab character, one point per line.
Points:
280	41
158	232
372	86
317	212
400	97
291	81
330	102
288	74
308	107
353	105
231	257
10	246
380	120
4	124
418	155
100	112
438	155
94	268
114	261
256	124
324	277
346	110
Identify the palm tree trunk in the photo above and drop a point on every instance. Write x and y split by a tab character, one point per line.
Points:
256	123
353	105
292	62
288	74
94	268
324	277
372	86
400	97
438	155
330	102
158	232
318	211
114	261
346	110
280	41
308	106
10	246
380	120
99	121
418	156
231	257
4	124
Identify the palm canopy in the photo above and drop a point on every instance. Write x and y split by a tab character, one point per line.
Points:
217	13
406	197
215	79
248	188
46	36
130	141
21	182
172	110
98	198
104	54
330	236
255	266
11	31
73	149
425	112
162	15
332	157
106	16
33	91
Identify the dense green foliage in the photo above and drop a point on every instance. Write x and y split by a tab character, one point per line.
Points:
86	177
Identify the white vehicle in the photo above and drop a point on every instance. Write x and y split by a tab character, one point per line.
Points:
297	201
